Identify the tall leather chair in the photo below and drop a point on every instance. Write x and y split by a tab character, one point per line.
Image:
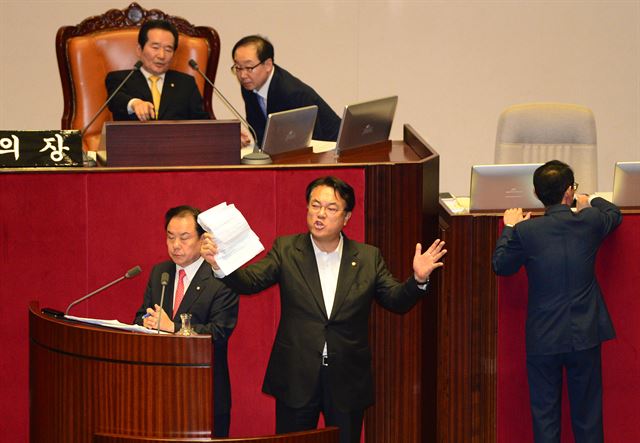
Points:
107	42
539	132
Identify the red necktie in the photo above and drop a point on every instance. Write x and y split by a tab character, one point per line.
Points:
179	292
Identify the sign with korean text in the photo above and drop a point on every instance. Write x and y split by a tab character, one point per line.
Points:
20	149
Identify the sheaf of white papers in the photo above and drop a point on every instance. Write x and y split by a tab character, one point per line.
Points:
114	324
236	242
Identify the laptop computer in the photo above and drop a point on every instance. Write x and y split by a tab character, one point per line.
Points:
366	123
289	130
626	184
500	187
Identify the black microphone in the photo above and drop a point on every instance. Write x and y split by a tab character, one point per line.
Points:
257	157
164	281
135	68
129	274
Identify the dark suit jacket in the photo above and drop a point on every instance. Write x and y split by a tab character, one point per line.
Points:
287	92
214	310
180	99
304	326
566	311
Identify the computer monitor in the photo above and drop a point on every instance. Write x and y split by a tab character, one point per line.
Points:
626	184
289	130
500	187
366	123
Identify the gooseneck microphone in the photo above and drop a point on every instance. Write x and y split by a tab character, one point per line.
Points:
113	94
257	157
164	281
129	274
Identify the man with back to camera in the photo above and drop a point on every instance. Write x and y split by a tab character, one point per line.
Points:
321	360
154	92
212	305
268	88
567	318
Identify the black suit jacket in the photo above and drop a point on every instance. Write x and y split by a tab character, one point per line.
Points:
214	310
305	325
287	92
180	99
565	309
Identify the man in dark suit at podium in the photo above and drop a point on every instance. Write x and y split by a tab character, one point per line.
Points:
154	92
268	88
212	305
567	318
321	360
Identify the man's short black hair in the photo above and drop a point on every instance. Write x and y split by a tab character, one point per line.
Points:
143	34
343	189
264	48
551	181
183	211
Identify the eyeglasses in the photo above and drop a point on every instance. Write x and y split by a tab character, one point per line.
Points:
237	70
574	186
316	208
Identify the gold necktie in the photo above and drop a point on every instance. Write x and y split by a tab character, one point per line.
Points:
155	93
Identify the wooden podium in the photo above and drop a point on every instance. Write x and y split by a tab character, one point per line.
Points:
101	385
85	380
171	143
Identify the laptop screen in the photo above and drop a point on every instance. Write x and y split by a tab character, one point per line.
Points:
500	187
626	184
366	123
289	130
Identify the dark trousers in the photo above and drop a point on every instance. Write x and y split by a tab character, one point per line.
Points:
221	424
584	383
306	418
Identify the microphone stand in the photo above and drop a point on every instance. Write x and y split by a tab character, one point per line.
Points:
164	280
257	157
104	105
130	273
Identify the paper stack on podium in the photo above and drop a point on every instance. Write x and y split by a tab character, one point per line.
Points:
236	242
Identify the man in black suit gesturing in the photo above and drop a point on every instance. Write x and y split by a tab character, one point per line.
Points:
267	88
212	305
567	318
321	360
155	92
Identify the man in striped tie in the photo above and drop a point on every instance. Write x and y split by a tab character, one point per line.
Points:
192	289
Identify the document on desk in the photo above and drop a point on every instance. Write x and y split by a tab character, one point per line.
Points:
114	324
236	241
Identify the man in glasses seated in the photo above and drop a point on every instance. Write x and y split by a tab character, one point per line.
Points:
267	88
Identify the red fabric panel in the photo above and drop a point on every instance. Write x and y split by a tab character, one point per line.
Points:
618	274
63	235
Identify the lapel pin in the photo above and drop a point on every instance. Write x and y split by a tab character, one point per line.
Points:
197	288
172	85
353	264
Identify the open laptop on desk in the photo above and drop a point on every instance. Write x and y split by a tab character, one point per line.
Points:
626	184
495	188
366	123
289	130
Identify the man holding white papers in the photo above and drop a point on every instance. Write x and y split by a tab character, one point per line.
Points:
213	306
321	360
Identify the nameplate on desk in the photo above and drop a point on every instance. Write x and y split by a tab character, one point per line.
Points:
27	149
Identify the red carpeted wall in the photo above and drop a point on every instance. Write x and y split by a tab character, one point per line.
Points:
618	272
64	235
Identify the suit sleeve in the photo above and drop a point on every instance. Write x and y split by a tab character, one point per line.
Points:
610	214
258	276
509	255
397	297
118	105
222	316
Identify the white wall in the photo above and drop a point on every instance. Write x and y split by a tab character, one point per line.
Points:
455	64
